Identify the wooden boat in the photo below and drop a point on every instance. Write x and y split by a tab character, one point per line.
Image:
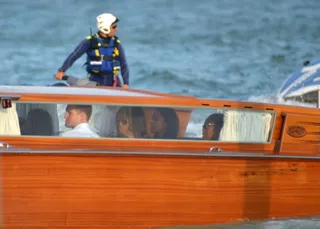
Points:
264	165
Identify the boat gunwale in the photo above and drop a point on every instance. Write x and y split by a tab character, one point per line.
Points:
234	154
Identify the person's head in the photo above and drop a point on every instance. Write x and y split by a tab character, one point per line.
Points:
77	114
39	122
165	123
107	24
212	127
123	119
130	122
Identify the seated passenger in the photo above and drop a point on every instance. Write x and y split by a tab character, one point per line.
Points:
165	123
77	118
24	108
131	122
212	127
39	122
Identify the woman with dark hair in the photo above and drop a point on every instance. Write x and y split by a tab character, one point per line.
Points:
165	123
131	122
212	127
39	122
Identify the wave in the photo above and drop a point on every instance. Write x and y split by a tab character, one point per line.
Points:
297	223
278	100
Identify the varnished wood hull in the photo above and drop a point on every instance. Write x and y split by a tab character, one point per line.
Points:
55	183
153	190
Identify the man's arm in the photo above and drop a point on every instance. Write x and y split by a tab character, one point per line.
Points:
123	65
76	54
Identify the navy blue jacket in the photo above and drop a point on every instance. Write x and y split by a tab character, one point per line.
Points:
84	46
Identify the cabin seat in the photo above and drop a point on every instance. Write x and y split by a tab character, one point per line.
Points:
104	120
9	121
245	126
24	108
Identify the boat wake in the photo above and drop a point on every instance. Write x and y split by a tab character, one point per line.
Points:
278	100
296	223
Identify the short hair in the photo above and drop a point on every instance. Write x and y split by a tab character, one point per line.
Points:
87	109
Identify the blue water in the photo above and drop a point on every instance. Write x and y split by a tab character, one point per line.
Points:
225	49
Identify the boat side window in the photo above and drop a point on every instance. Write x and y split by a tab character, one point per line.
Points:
52	119
103	120
40	119
152	122
38	122
229	125
164	123
132	121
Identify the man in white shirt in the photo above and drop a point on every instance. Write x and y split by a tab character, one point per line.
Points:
77	117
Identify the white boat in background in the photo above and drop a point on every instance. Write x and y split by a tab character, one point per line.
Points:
303	85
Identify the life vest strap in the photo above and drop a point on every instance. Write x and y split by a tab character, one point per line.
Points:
97	58
101	74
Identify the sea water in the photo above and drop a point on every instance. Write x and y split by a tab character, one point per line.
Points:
224	49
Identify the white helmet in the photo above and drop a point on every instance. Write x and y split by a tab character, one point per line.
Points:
104	21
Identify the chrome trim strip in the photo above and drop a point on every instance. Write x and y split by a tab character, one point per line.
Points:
221	154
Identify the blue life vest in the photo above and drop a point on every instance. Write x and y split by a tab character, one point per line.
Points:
103	58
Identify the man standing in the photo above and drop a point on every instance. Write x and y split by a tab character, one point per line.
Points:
105	55
77	118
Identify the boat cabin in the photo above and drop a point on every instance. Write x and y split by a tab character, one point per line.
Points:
34	118
115	114
152	160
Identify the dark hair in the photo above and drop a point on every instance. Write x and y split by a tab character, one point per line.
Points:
138	122
136	118
218	120
172	123
87	109
25	128
39	122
